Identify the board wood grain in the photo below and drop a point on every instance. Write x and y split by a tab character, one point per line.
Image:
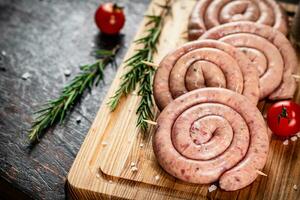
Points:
102	168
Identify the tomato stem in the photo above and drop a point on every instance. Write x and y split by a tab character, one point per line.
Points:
283	114
117	7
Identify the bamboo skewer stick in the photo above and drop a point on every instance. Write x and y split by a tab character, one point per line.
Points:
150	122
155	66
261	173
296	76
155	123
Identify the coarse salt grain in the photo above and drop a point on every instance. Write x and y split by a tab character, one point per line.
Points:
78	119
97	176
110	181
212	188
141	145
134	169
26	75
295	187
294	138
104	143
157	177
132	164
67	72
3	53
298	134
285	142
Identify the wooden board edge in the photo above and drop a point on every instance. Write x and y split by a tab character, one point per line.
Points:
134	190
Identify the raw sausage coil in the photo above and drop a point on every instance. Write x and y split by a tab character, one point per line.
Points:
268	49
212	134
205	63
210	13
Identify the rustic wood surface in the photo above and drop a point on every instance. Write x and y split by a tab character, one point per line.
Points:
103	166
44	38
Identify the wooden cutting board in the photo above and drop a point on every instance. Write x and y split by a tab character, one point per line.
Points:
102	168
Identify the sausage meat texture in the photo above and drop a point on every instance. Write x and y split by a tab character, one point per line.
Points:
205	63
268	49
210	13
212	134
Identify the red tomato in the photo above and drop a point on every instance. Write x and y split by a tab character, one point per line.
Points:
284	118
110	18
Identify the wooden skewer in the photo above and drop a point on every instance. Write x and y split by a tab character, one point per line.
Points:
237	87
184	35
296	76
155	123
261	173
155	66
150	122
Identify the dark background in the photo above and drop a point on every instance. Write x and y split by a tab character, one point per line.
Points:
45	38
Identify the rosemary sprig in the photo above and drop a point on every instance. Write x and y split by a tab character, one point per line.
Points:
55	110
141	74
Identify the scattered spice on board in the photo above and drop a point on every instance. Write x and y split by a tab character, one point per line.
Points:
212	188
294	138
104	143
134	169
157	177
295	187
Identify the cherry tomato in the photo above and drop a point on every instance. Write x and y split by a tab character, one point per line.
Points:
110	18
284	118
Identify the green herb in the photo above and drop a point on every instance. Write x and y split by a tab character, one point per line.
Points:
55	110
139	73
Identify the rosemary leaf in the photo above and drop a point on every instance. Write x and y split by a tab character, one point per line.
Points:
104	52
55	110
138	74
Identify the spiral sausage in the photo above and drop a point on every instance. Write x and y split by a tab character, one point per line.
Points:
204	63
268	49
212	134
210	13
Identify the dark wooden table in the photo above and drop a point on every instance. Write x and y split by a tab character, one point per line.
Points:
45	38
